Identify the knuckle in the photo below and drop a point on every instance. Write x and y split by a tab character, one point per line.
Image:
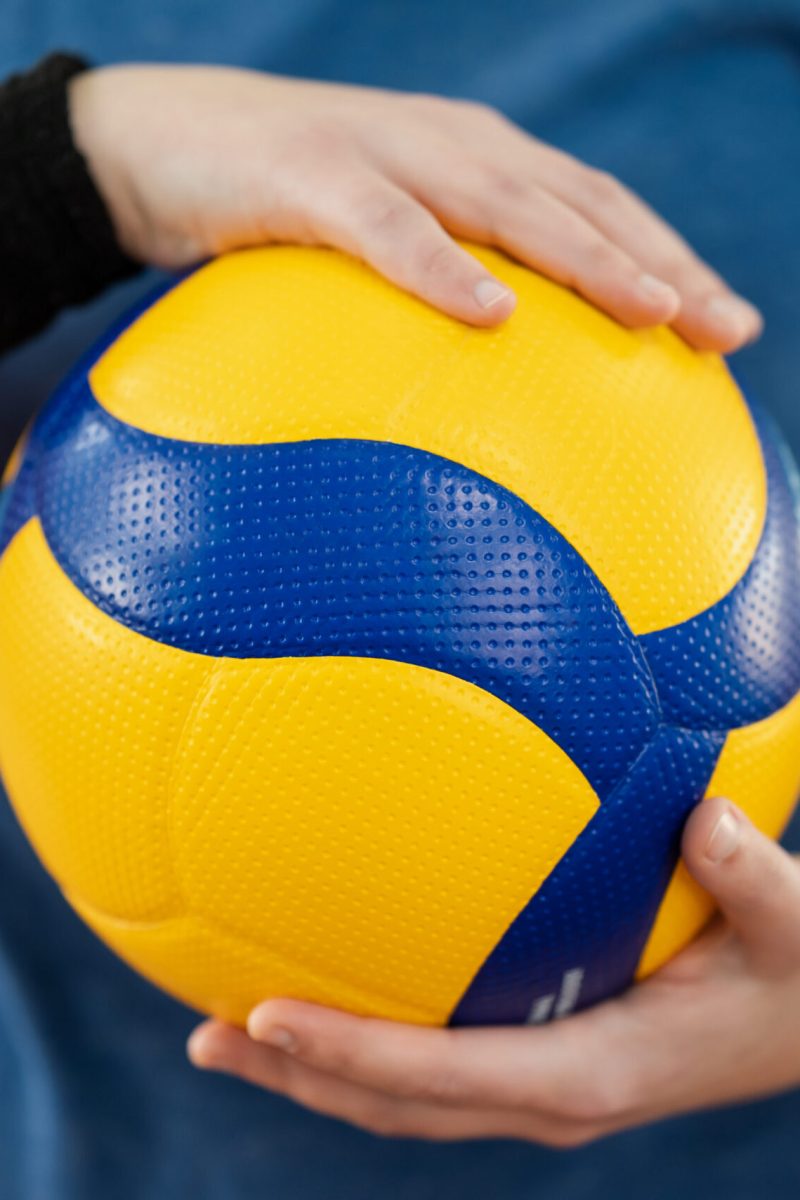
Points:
480	110
685	275
313	152
318	141
508	187
441	109
460	108
601	189
435	258
430	102
381	215
689	274
599	257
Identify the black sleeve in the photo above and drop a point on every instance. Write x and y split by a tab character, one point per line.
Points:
57	243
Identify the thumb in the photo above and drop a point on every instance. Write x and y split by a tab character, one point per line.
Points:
754	881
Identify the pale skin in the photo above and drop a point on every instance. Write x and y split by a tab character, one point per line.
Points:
194	161
716	1025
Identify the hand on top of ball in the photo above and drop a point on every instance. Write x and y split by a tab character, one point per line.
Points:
193	161
717	1025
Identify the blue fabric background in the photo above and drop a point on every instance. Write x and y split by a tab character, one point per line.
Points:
697	105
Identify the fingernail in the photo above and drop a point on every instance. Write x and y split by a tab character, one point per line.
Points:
196	1049
280	1038
261	1029
725	837
489	293
736	314
659	291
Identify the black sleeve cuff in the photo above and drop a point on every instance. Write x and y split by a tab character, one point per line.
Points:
57	243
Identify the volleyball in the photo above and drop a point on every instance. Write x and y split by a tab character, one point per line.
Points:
355	655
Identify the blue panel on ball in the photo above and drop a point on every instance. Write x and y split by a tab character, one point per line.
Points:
17	502
739	661
20	496
343	547
370	549
579	939
5	500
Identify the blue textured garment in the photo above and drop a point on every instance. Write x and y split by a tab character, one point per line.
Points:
698	107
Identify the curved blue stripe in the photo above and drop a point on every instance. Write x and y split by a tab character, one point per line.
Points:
20	495
591	917
343	547
17	502
739	661
736	663
337	547
5	501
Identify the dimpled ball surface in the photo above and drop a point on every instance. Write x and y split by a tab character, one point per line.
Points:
352	654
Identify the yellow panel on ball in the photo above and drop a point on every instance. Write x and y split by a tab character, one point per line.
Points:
758	769
92	801
639	450
347	830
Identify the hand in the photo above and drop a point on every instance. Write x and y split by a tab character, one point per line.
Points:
193	161
720	1023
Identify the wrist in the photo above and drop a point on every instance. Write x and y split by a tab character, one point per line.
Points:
89	107
55	228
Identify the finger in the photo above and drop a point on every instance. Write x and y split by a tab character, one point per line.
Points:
575	1069
219	1047
373	218
505	160
712	316
538	229
753	880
